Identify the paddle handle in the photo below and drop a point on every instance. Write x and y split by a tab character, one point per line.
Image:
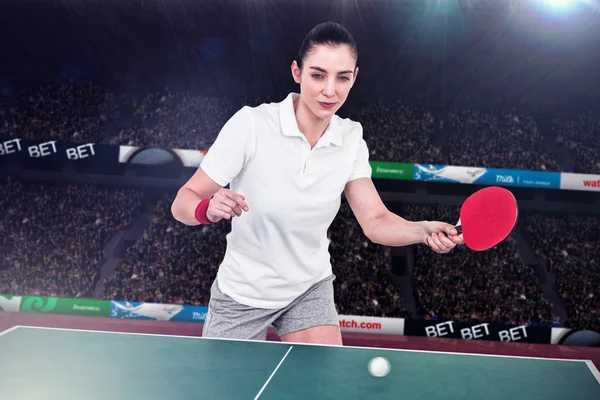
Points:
458	229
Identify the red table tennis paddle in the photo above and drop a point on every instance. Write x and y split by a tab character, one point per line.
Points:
487	217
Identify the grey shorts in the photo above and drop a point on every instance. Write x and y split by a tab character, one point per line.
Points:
229	319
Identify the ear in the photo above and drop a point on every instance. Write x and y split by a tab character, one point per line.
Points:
355	76
296	71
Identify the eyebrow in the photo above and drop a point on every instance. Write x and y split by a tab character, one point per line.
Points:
322	70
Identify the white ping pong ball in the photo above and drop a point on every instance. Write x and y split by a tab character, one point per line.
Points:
379	367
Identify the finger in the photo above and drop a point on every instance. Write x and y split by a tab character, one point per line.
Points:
446	228
225	215
450	229
433	246
446	242
230	204
238	199
435	237
458	239
225	209
217	215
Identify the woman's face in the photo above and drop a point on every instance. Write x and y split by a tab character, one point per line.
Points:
328	73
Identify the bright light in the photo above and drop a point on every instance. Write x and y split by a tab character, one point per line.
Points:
560	3
561	8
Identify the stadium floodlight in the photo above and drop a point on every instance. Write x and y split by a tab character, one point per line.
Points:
560	3
564	7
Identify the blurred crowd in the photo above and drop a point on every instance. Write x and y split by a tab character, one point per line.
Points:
581	137
174	263
504	140
397	132
363	284
171	263
570	243
52	238
58	112
52	235
468	286
185	121
176	120
394	132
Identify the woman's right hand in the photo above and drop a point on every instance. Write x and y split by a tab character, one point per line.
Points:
226	204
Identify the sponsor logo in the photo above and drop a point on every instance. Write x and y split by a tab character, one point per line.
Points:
505	179
580	182
483	331
392	170
448	173
55	305
389	171
39	304
591	183
197	316
160	312
360	325
10	303
85	308
521	178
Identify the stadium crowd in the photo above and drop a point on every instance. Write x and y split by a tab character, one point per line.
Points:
174	263
394	132
574	258
52	235
397	132
467	286
581	137
171	263
176	120
75	113
498	140
363	284
185	121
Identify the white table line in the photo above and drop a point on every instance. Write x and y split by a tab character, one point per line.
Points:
270	377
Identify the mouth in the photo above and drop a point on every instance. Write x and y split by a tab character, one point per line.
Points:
327	105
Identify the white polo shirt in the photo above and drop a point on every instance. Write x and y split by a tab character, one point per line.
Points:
279	248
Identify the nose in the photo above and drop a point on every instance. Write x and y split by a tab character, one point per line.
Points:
329	88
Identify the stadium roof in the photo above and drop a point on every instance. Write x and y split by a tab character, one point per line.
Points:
530	54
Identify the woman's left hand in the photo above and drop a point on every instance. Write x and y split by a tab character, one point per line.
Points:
437	240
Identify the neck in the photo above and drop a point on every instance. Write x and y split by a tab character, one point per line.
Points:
310	126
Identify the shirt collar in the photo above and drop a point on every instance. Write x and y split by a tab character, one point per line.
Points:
289	124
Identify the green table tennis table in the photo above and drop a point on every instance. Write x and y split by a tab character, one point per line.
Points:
65	364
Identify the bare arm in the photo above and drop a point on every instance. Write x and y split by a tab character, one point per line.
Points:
225	204
379	224
384	227
197	188
227	156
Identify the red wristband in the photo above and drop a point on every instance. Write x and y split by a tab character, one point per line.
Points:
200	212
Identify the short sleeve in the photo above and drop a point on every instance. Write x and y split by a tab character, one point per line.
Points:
232	149
362	167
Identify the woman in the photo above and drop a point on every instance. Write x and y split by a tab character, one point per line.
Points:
287	165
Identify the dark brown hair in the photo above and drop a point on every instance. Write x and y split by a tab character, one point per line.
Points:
327	33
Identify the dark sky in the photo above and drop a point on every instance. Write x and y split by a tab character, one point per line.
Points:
440	53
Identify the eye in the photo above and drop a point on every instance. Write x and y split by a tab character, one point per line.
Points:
344	78
317	76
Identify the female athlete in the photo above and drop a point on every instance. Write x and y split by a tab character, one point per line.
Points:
287	165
